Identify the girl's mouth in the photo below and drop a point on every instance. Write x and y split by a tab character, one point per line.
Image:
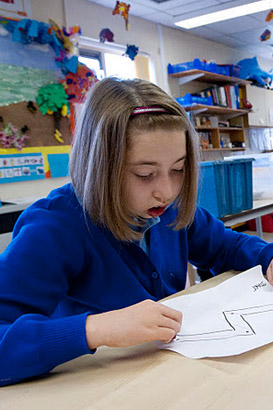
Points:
156	211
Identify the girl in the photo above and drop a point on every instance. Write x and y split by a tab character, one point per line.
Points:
87	264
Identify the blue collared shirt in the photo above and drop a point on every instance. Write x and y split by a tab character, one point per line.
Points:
143	242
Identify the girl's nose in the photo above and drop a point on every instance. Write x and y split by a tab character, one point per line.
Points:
163	191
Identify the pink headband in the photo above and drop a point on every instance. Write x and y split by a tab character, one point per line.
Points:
149	110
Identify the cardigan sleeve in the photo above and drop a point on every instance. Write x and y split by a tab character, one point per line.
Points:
219	249
45	254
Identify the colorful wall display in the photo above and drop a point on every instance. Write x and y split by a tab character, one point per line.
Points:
40	80
33	163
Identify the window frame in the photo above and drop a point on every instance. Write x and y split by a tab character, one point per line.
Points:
92	47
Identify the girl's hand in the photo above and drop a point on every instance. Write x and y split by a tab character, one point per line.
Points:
269	273
144	322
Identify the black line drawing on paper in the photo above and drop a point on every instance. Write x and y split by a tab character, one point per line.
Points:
238	325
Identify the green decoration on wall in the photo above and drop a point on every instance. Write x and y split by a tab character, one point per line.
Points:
19	84
51	98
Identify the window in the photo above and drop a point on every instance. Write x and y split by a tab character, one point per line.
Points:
93	61
108	60
120	66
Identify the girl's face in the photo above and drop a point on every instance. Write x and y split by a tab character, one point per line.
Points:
154	171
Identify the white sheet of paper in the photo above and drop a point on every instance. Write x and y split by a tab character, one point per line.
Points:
231	318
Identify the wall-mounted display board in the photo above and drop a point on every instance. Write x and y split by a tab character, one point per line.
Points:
44	155
40	80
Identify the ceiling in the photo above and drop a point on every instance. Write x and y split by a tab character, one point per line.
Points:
241	33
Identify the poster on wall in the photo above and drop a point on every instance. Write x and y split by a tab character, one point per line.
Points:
17	9
21	167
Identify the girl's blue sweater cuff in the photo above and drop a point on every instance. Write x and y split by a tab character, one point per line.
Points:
64	339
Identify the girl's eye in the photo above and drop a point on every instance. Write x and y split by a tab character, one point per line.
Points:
178	170
145	177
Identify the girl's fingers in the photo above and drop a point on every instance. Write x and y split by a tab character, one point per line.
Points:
169	323
172	313
166	335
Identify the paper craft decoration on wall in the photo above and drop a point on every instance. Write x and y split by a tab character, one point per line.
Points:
77	85
122	9
106	35
131	51
229	319
65	46
63	42
269	16
266	35
52	100
250	70
12	137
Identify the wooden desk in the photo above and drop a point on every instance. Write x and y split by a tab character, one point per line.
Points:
145	378
260	208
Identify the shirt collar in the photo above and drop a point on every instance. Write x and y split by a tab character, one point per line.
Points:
150	222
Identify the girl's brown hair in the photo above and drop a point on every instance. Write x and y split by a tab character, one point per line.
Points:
102	138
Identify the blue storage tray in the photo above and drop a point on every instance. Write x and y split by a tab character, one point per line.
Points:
225	69
241	185
191	65
225	187
231	69
213	192
189	99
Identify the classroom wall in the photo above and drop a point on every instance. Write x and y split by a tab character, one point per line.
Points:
176	46
43	10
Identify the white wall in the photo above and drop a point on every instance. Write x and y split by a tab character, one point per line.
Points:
43	10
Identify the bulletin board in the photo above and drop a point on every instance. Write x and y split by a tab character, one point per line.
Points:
43	156
40	81
24	69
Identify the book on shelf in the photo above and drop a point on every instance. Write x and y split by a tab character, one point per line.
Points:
237	96
227	91
227	96
222	96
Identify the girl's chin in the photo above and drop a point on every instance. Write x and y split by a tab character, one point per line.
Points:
146	216
143	215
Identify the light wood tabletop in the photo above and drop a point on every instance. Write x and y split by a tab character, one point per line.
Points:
260	208
146	378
